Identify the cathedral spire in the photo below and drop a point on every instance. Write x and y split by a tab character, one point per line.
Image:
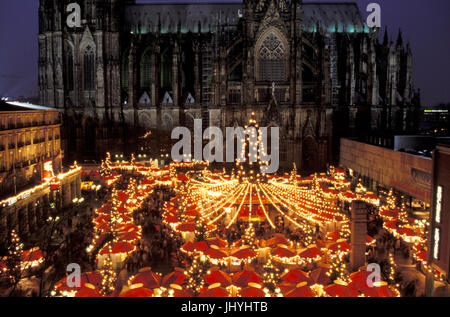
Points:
400	38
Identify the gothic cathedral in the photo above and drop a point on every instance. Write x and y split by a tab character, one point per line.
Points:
315	70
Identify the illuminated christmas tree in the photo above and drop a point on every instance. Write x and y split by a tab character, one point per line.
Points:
332	171
345	231
185	192
293	176
360	189
307	230
200	231
338	270
250	165
109	276
196	275
391	200
403	214
249	237
14	259
106	165
271	276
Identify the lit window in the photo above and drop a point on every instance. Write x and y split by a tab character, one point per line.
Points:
272	60
437	238
438	204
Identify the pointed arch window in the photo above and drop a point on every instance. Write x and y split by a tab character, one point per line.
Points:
89	69
272	60
69	71
146	71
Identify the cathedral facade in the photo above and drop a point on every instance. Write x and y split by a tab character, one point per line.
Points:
315	70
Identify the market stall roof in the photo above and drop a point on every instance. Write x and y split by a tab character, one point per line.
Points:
296	276
146	277
301	291
215	291
218	276
137	292
244	277
175	277
252	291
339	290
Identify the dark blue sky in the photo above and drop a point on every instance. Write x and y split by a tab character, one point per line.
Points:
425	23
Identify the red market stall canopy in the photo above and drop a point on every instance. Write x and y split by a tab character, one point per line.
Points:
253	290
33	255
192	211
93	278
186	227
370	240
127	227
137	292
148	182
421	256
215	254
391	225
195	246
342	246
296	276
171	219
359	279
118	248
406	232
311	253
381	290
178	291
283	252
175	277
102	227
147	278
218	276
3	267
215	291
320	276
218	242
388	213
302	290
332	236
122	196
339	290
88	290
246	253
244	277
131	235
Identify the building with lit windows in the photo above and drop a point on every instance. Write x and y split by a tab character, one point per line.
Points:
33	183
439	247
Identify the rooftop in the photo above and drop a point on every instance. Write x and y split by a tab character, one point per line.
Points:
20	106
144	18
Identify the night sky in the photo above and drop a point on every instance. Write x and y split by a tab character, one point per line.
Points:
425	23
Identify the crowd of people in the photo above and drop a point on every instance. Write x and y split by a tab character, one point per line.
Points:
159	245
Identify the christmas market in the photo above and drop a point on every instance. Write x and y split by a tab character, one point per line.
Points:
224	156
186	230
